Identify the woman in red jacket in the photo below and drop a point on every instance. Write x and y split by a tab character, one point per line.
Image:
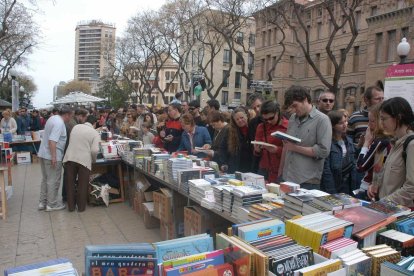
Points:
270	155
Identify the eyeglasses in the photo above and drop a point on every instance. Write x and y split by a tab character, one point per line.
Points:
328	100
270	118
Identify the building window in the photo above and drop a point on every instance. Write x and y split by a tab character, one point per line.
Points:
355	63
392	45
342	56
378	47
308	28
239	38
319	30
263	63
328	66
238	80
269	37
239	58
225	78
319	12
237	95
404	32
274	66
200	55
358	20
268	64
251	61
252	40
226	56
167	75
374	10
291	66
275	35
224	97
318	61
308	15
263	39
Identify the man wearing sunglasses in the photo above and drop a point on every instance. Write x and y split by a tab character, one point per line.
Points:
326	102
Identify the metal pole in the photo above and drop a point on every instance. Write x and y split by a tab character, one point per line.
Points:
15	95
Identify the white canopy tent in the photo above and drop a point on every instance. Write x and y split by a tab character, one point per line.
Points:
77	97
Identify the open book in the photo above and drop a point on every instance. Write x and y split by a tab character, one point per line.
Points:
206	151
284	136
260	143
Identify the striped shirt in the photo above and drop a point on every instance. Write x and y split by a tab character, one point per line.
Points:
357	125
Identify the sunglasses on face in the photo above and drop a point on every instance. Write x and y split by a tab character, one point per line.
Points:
270	118
327	100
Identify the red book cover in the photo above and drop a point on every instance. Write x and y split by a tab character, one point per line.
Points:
362	217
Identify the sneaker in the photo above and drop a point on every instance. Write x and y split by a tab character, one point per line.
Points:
57	208
41	207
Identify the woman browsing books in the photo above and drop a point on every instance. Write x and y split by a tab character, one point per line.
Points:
397	181
193	136
339	171
270	155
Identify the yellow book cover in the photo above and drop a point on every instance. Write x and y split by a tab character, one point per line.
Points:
322	268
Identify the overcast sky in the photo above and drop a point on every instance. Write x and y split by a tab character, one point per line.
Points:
53	60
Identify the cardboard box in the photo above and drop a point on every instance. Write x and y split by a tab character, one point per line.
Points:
149	220
197	220
163	204
171	230
23	157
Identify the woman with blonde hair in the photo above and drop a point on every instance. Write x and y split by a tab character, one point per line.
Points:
8	123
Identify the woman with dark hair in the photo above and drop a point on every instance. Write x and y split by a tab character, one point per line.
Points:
219	146
270	156
397	181
373	152
239	146
339	171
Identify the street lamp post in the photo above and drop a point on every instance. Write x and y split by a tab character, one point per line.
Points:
15	90
403	49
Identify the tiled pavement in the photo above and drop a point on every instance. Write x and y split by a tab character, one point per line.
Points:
29	235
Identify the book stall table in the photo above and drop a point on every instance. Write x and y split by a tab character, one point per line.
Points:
105	165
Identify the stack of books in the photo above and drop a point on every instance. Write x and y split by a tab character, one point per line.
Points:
184	176
337	247
404	224
244	196
322	268
228	200
175	164
294	203
284	255
404	267
288	187
157	162
52	267
261	229
379	254
198	189
389	207
400	241
134	258
218	195
317	229
356	262
337	202
266	210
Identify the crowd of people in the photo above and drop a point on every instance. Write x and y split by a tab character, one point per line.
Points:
368	154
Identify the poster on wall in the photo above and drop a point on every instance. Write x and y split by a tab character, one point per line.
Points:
399	82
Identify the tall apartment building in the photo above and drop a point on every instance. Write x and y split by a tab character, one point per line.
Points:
94	46
58	90
381	25
222	64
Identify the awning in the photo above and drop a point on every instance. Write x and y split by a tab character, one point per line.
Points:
77	97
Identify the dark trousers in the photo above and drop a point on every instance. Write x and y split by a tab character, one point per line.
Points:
76	191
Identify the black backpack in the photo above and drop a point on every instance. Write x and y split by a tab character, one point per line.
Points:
405	145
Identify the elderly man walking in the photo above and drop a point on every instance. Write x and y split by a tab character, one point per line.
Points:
50	156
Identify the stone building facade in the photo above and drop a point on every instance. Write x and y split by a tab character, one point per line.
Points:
381	25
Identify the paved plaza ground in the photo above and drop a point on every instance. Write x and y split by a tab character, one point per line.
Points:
29	235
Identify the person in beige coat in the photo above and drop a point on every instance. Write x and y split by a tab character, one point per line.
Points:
81	153
397	180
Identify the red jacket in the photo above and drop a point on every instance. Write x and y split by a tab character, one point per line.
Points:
272	165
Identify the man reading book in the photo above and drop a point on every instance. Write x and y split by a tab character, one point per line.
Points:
302	162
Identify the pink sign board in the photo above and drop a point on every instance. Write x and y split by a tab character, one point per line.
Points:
400	70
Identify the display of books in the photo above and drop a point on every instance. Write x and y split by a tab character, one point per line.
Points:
379	254
356	262
54	267
405	267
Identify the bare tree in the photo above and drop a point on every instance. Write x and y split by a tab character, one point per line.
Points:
342	17
18	35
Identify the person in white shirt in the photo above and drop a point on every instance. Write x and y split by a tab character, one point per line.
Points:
82	151
8	123
50	157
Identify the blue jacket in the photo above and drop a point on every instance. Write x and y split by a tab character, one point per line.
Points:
200	138
23	124
339	173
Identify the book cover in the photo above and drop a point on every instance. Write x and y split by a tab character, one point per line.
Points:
322	268
294	261
220	270
299	197
285	136
262	229
362	217
182	247
389	207
194	266
35	266
193	258
99	266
